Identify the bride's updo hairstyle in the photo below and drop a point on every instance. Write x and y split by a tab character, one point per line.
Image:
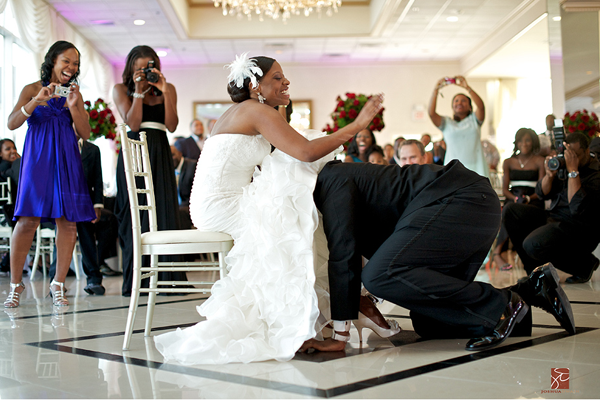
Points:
238	94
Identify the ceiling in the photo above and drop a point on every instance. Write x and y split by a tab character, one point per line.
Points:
194	32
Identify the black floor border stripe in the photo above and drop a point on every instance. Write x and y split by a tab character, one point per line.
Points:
591	303
298	389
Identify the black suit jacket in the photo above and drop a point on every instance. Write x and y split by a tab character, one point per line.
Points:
188	148
92	170
186	179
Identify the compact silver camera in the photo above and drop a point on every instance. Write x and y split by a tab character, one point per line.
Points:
62	91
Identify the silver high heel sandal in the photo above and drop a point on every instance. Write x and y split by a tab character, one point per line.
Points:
58	296
363	322
12	301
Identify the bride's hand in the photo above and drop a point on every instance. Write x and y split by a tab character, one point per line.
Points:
369	111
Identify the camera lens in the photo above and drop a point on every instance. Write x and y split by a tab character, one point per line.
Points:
152	77
555	163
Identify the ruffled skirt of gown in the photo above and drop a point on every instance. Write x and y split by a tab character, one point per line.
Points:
269	302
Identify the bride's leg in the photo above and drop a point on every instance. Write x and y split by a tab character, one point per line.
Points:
369	310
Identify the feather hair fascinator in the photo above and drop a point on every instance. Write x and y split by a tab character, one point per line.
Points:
242	68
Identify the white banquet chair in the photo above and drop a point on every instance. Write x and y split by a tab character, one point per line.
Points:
167	242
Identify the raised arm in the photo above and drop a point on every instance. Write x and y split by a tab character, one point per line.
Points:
433	115
268	122
480	112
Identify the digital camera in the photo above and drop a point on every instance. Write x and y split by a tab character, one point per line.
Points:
558	163
450	81
62	91
150	76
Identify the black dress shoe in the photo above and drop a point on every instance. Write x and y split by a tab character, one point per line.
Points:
514	312
542	289
583	279
94	288
106	271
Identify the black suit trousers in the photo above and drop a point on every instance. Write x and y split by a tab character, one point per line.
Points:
428	265
422	258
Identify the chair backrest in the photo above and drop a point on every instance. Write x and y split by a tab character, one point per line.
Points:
137	166
5	188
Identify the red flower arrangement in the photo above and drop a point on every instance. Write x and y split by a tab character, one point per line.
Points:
102	120
347	110
582	121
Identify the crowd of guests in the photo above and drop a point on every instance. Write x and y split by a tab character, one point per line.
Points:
451	204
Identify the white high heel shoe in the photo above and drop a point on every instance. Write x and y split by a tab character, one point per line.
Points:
363	322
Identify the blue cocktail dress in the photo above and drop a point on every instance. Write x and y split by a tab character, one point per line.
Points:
51	179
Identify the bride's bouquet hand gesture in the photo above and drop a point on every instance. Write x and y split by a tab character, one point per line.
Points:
369	111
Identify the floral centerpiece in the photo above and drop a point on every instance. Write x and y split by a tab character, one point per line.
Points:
347	110
582	121
102	120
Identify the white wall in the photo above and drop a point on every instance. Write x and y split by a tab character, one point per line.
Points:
405	86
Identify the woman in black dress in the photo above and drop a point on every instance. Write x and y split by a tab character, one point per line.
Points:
150	107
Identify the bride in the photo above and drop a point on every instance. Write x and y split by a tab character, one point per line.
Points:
274	297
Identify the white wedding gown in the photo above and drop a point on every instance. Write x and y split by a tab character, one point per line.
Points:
275	295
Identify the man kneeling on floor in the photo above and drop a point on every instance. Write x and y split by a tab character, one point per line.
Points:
434	227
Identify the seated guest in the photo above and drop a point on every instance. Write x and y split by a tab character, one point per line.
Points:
396	159
184	174
359	146
426	140
412	152
566	234
9	154
522	171
388	152
375	155
192	146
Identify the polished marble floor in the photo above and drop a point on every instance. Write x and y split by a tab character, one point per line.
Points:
76	353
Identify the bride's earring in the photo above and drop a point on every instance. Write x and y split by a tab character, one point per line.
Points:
261	99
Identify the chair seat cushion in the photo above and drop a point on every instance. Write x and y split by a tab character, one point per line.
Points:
183	236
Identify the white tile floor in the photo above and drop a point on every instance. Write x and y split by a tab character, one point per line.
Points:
76	353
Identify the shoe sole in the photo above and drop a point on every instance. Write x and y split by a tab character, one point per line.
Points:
92	292
563	299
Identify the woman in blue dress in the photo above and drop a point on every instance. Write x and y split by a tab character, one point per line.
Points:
462	132
52	185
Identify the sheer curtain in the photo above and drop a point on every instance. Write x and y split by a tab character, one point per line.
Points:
40	26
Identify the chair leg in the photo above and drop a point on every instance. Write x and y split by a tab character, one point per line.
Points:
222	269
133	304
36	257
76	262
151	296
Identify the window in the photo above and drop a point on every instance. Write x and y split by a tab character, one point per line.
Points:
17	69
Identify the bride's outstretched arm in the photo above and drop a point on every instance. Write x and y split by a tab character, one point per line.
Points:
276	130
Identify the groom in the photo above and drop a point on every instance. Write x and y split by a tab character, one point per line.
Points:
426	230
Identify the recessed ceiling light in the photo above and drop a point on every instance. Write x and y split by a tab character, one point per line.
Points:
139	22
556	18
162	51
452	18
